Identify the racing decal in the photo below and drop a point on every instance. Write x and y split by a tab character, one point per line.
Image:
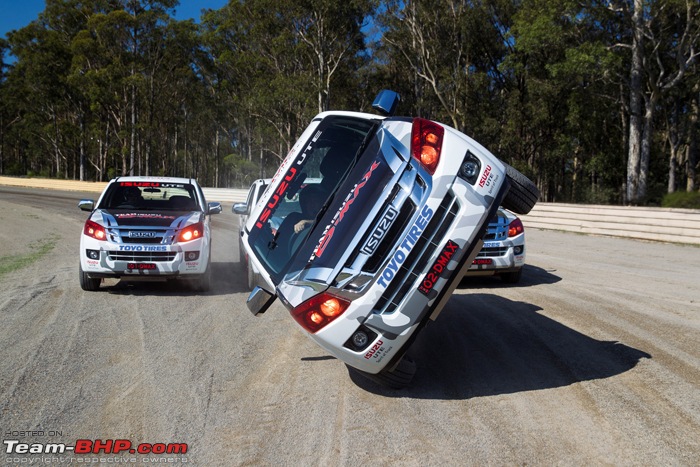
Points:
290	155
142	248
142	215
376	347
276	197
382	228
488	179
406	246
153	184
485	176
438	268
141	266
378	351
337	219
482	261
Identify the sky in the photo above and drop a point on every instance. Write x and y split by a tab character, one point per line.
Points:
15	14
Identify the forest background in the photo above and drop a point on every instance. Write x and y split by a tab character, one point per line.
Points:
597	101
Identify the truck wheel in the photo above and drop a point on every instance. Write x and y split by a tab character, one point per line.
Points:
203	282
88	283
397	378
523	194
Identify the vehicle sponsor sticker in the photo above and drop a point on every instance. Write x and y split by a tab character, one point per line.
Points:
153	184
406	246
437	270
142	215
482	261
286	181
378	351
488	179
276	197
141	266
143	248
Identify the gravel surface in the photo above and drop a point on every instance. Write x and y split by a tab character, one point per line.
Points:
594	358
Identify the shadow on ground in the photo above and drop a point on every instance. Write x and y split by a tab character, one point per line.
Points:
486	345
532	275
227	278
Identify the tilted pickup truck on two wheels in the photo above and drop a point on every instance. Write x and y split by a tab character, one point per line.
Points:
368	226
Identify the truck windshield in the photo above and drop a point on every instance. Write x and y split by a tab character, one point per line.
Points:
306	189
150	196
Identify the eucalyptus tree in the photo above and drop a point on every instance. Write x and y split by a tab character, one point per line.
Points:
451	52
38	79
4	115
331	37
664	46
569	99
257	72
118	58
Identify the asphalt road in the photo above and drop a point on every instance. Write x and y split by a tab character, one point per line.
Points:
593	359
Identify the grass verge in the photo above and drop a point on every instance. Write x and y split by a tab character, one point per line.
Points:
38	250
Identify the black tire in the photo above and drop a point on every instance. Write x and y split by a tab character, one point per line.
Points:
397	378
203	282
523	194
512	277
251	275
88	283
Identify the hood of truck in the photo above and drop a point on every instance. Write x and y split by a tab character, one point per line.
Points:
121	218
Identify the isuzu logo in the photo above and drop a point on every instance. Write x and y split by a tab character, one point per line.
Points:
141	234
380	231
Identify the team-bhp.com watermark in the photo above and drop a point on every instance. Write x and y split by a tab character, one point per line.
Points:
108	451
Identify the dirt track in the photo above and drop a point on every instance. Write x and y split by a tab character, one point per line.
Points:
593	359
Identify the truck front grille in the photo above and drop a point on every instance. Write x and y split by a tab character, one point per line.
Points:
416	262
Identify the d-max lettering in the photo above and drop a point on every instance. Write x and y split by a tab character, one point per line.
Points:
328	234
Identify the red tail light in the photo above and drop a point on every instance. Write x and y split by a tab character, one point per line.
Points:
515	228
426	143
192	232
94	230
317	312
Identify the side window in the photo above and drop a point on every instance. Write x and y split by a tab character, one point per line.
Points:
250	201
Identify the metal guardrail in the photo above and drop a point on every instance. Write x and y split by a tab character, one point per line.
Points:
223	195
654	224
